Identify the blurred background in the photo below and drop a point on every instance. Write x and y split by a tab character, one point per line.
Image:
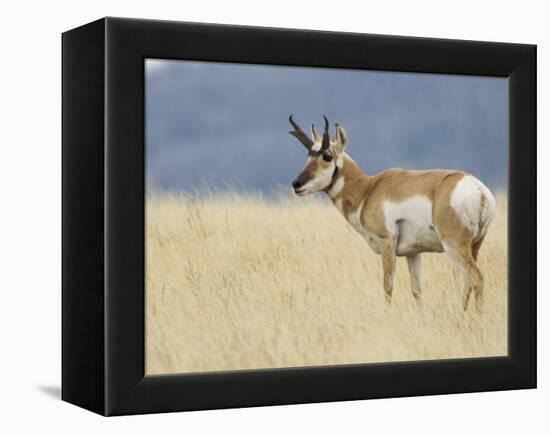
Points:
226	125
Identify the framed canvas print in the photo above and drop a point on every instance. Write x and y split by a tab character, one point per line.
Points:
386	247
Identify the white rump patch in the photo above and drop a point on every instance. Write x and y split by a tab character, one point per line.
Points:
474	212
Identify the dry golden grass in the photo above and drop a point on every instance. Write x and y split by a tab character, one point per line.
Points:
241	282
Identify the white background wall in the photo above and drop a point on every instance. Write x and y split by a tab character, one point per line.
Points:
30	171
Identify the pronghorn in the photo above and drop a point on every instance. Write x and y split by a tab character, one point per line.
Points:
401	212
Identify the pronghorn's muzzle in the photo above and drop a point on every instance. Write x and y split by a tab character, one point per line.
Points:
301	180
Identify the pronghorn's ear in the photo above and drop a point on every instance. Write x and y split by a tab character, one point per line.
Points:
314	134
341	137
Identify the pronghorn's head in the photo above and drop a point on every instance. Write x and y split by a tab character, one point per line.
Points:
325	157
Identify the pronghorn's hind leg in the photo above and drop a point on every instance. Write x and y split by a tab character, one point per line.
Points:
457	230
413	263
388	252
476	245
461	253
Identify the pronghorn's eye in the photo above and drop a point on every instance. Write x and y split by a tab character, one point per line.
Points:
327	157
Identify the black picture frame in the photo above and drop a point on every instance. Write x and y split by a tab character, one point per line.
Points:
103	216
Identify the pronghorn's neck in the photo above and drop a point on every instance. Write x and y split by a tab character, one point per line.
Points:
349	185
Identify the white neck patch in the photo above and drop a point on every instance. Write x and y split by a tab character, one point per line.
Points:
337	187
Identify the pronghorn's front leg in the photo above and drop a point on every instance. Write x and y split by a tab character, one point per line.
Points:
387	250
414	270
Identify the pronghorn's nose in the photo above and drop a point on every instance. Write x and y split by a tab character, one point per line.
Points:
297	183
301	180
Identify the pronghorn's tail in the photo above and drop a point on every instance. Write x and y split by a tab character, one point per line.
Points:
487	210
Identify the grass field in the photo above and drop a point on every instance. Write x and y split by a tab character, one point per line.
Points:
242	282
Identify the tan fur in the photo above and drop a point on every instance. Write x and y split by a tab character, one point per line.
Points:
368	194
395	185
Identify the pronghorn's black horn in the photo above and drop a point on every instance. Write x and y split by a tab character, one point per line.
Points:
326	138
300	135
